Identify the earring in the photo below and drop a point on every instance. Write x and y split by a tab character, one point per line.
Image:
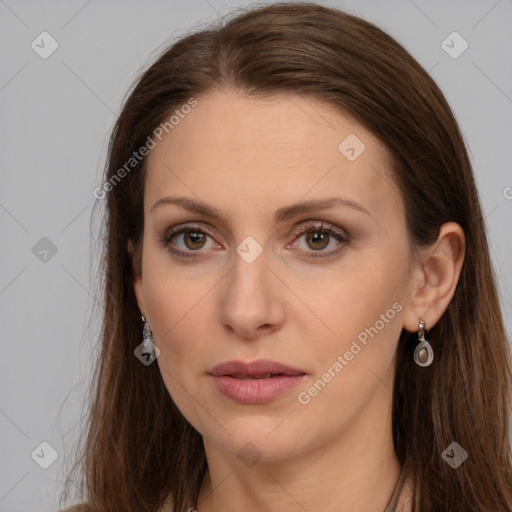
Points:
147	351
147	335
423	353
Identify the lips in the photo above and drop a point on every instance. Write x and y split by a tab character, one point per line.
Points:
259	369
255	383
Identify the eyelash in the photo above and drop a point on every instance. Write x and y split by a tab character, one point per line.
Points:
317	227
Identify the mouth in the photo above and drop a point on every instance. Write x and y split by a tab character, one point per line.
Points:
256	382
258	369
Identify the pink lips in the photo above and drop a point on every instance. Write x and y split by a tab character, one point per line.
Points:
255	382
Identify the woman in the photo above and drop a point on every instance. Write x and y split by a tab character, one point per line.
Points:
300	310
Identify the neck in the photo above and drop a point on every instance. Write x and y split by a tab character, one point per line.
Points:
357	470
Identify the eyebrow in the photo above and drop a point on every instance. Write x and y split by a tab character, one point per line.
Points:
280	215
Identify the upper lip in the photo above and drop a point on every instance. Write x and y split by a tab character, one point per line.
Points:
252	368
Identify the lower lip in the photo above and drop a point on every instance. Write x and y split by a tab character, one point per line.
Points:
256	391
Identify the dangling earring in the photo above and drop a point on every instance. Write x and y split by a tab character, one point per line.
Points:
147	351
423	353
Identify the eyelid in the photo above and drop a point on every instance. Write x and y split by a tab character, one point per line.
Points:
184	227
321	226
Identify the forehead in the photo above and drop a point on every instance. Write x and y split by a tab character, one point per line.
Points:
273	150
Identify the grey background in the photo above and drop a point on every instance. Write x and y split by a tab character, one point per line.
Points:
56	116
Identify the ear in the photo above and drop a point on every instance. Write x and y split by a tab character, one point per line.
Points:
435	277
135	253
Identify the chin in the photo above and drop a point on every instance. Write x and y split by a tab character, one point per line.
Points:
263	442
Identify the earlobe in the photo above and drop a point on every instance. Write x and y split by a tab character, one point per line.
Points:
436	277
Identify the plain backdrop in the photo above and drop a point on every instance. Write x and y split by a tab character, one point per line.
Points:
56	115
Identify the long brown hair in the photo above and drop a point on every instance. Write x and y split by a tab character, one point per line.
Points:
138	450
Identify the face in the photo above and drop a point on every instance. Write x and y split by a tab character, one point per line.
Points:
289	244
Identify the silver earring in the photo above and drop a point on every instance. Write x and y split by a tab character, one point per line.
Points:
147	351
423	353
147	335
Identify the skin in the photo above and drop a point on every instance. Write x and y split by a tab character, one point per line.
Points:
248	157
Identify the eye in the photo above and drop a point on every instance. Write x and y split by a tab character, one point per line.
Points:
318	236
183	240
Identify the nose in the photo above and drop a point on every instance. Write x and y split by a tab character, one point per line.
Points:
251	305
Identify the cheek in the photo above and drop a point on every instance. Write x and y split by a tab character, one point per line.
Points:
176	307
355	363
362	306
177	300
174	292
358	295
